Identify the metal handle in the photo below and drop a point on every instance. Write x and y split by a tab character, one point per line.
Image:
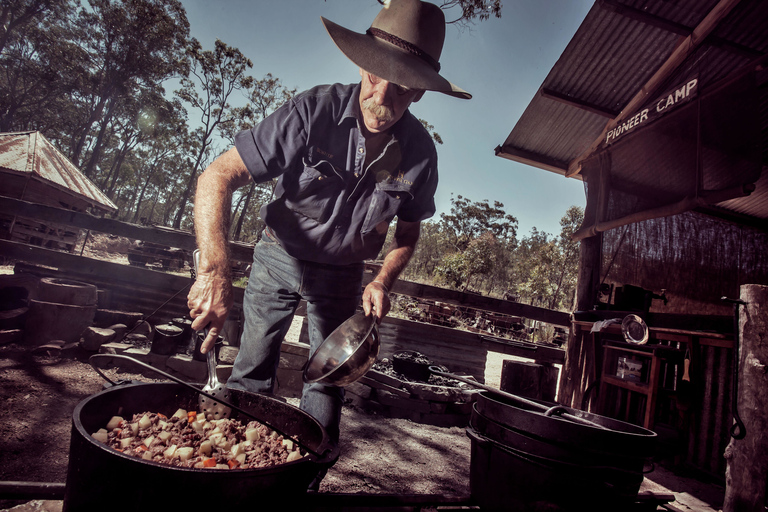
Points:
539	407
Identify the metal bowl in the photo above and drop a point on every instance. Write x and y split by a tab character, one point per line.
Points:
347	354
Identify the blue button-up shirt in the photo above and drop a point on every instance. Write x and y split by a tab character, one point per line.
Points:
328	204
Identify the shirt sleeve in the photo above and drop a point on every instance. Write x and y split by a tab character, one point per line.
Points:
275	144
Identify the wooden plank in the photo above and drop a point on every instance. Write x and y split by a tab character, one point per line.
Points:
472	300
159	235
98	269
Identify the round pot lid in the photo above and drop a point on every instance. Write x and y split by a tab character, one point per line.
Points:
634	329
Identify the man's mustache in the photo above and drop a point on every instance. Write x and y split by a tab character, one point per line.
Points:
382	112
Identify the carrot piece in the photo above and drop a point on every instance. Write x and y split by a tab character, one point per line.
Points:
232	463
209	463
162	415
142	448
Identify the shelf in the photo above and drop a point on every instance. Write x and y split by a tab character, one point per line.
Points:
639	387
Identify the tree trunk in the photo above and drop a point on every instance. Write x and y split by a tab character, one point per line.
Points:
239	226
747	459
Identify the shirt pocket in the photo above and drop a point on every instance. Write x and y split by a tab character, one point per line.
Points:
385	202
316	191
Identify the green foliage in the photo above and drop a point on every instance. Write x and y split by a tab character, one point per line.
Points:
475	248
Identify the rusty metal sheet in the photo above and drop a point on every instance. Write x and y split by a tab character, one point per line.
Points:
32	153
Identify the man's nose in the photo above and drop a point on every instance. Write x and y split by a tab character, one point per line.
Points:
381	91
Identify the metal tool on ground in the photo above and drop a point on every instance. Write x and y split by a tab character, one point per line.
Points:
196	390
556	410
215	396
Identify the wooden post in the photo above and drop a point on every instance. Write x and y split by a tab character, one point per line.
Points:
529	380
747	459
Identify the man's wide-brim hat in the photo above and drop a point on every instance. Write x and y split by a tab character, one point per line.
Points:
402	46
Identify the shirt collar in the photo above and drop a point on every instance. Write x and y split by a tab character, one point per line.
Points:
352	109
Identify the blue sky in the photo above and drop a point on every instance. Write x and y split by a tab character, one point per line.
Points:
502	62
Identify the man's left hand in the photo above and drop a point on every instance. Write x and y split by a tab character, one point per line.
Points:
376	300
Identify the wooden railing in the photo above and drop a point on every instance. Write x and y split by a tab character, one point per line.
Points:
148	290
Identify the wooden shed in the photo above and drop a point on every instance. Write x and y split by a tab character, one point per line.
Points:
33	170
661	109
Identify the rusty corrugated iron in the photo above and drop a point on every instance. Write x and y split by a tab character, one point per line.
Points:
31	153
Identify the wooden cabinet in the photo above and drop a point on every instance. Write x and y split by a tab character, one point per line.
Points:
631	380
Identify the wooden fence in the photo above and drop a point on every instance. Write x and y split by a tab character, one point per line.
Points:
163	295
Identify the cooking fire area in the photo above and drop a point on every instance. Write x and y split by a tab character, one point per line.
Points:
500	455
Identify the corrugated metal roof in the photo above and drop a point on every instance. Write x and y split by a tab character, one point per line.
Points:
31	152
626	53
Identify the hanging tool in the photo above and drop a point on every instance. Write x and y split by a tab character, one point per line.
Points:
737	430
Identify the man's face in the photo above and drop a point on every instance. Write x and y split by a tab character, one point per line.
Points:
383	103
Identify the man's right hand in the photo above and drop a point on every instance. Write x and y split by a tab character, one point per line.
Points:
209	302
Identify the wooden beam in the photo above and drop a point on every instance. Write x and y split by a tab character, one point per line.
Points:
575	102
472	300
533	159
687	204
684	49
154	234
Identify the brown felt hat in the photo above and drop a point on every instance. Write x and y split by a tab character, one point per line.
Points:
402	46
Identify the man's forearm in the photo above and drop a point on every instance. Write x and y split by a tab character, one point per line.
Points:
213	201
400	253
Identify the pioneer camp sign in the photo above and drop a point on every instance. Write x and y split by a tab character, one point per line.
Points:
667	102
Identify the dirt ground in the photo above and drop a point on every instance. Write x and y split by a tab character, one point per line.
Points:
379	455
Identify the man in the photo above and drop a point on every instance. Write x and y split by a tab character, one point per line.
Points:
348	158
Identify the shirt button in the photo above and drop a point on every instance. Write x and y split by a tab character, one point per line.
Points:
360	150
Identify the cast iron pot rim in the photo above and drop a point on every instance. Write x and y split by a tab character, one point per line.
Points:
330	454
635	431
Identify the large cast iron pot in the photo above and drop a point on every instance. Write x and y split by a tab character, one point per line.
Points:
100	478
523	459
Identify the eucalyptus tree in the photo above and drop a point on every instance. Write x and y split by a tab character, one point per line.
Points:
41	62
131	44
468	220
469	10
211	79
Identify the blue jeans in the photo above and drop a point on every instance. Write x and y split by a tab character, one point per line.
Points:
276	285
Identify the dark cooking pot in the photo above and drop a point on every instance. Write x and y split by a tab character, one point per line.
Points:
522	457
616	437
100	478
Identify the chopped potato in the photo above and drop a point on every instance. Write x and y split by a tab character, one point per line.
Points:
145	422
113	423
100	435
170	452
206	447
185	452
